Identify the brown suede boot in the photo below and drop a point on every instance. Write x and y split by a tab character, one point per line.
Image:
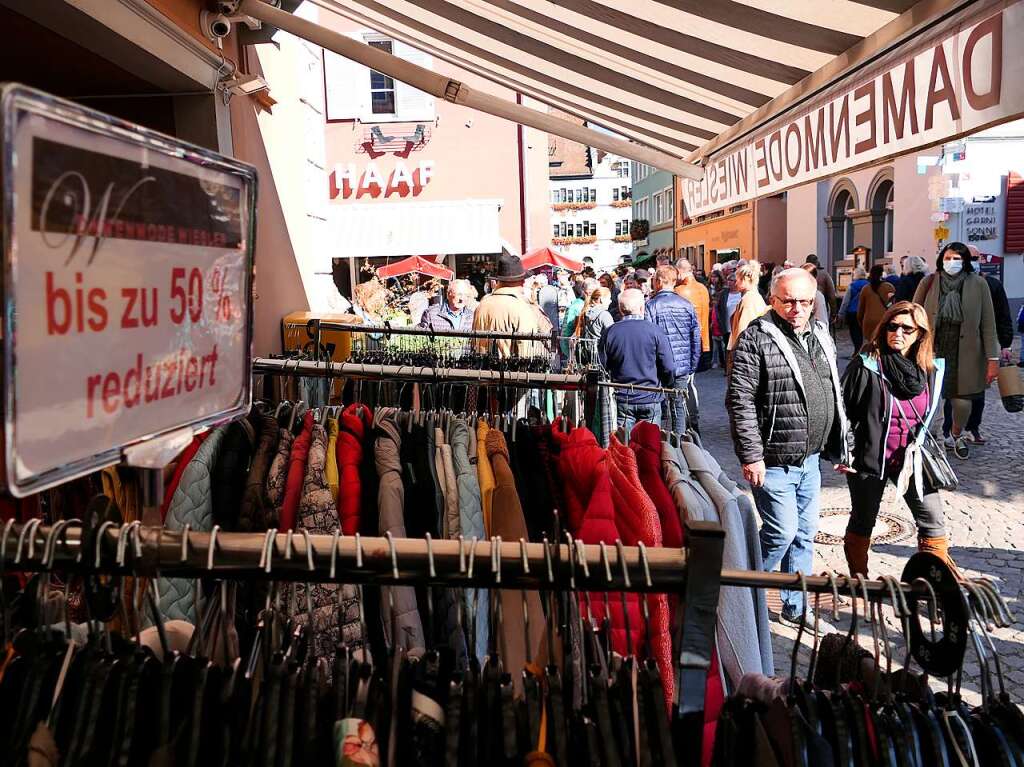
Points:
856	549
940	548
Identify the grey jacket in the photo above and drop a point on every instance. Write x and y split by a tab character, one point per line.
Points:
191	504
752	539
738	645
471	520
391	510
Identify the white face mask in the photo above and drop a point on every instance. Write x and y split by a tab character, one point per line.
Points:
953	268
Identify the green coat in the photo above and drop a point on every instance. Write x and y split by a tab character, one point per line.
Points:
978	341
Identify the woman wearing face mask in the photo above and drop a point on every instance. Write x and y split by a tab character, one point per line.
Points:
891	391
959	307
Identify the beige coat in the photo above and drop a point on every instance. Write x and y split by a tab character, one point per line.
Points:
750	308
978	341
871	307
507	311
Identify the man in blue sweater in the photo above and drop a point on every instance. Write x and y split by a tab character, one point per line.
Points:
677	317
635	351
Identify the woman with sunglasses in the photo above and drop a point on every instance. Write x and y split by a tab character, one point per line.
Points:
891	391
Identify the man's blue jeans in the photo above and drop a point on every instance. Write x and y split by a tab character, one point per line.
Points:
788	504
673	408
630	414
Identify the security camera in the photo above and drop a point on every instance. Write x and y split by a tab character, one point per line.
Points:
217	26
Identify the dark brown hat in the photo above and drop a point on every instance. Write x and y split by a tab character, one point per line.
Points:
510	268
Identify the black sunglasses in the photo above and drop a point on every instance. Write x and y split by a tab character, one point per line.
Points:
908	330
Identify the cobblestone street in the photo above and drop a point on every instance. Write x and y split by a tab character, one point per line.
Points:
985	519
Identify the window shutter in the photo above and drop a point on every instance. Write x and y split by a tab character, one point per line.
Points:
348	87
1014	214
413	105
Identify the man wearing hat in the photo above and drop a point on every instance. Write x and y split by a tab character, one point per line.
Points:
506	309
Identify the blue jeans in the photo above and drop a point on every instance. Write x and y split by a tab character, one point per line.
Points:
673	408
788	505
630	414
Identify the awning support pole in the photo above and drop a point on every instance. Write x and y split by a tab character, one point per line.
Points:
459	93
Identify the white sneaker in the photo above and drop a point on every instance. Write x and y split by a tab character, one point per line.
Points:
949	442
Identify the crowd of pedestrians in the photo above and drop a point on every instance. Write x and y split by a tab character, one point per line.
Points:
924	341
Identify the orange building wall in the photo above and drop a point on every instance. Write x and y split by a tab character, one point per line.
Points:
732	231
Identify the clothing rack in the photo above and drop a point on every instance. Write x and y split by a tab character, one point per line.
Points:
422	373
640	387
314	326
494	563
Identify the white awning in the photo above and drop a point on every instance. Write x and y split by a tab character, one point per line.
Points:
689	81
670	74
416	228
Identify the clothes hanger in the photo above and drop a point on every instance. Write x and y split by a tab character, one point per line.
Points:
497	623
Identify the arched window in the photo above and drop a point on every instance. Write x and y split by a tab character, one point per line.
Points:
890	200
841	209
882	212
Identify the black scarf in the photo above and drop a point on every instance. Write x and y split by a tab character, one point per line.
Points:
906	379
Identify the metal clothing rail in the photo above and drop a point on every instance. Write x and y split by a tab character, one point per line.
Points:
640	387
494	563
423	373
483	335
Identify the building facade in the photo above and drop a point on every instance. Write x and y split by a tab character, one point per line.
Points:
968	191
653	212
589	201
749	230
408	174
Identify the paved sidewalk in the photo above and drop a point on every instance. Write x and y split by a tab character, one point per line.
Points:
985	519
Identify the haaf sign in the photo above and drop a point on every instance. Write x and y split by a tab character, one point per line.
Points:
947	86
349	181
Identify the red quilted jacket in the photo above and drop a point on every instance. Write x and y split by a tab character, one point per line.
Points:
352	432
296	474
645	441
591	518
638	521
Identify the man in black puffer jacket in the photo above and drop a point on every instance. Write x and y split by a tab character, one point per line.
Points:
786	412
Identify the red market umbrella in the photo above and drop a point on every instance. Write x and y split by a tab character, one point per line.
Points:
417	264
548	257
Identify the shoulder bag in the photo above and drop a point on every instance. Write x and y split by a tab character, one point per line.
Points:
927	453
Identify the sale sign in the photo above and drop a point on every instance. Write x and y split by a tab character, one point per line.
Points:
128	282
